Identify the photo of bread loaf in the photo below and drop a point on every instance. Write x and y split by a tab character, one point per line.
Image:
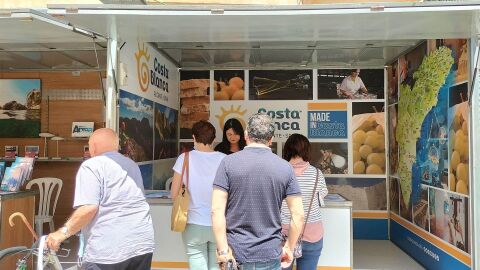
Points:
229	85
194	100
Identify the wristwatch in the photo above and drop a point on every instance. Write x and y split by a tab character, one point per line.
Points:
223	252
65	231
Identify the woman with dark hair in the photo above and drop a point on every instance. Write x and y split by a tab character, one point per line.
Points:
297	151
233	137
198	236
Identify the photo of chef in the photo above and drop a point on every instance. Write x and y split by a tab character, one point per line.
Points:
280	85
194	100
330	158
365	193
392	80
449	218
229	85
420	207
394	195
459	49
368	127
409	63
351	83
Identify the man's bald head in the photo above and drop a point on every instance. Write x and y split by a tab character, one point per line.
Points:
103	140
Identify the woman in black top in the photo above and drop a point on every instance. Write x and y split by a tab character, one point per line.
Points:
233	137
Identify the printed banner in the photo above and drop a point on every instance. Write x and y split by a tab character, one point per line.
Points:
327	120
289	117
147	73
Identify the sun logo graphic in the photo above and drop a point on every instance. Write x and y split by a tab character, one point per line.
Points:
143	71
226	114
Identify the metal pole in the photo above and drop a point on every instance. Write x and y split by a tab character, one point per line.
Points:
474	132
112	65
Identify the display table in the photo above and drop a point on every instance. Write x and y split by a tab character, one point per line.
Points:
337	244
18	235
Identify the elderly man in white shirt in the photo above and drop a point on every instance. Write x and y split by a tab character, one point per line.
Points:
352	84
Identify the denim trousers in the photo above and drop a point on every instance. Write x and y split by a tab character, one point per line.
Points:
271	265
310	255
199	243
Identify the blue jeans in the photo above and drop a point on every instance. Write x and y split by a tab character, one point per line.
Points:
310	255
271	265
200	245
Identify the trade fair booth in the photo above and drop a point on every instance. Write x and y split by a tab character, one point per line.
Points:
398	159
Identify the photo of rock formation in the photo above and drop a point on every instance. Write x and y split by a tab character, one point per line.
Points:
166	122
20	102
136	127
365	193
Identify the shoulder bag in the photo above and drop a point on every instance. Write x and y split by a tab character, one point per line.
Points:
297	251
181	202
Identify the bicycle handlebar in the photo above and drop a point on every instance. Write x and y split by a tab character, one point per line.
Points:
11	250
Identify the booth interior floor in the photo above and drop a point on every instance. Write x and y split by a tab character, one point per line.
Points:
367	254
381	254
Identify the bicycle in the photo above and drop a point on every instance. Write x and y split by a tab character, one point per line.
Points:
46	259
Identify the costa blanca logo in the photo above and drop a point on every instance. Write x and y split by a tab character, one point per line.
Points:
143	71
231	113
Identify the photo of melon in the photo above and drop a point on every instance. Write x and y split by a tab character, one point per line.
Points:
458	177
229	85
368	138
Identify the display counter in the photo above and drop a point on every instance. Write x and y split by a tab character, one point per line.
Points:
337	244
18	235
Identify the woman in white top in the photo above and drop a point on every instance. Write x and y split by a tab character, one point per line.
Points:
203	163
297	151
352	84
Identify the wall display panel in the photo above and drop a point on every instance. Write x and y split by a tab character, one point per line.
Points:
166	132
194	100
162	174
449	218
20	101
351	84
392	83
368	126
136	126
229	84
392	135
330	158
365	193
280	85
394	195
433	145
147	175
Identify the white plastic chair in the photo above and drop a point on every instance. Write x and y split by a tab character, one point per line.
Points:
46	186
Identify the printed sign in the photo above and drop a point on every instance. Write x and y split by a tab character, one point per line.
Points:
82	129
149	74
288	118
11	151
327	120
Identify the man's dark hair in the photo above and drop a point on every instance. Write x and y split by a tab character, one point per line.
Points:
260	128
296	145
204	132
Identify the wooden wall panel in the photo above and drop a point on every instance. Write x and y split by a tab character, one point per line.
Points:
17	235
61	114
57	116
